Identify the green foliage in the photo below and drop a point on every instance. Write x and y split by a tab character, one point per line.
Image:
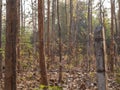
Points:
43	87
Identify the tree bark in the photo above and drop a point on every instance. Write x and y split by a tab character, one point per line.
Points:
60	41
18	36
21	6
119	16
111	63
90	34
0	39
53	28
10	47
42	62
100	52
48	33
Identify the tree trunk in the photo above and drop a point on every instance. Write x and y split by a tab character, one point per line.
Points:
41	43
24	15
18	35
100	52
0	39
90	33
60	47
111	62
34	25
70	32
21	6
10	47
48	33
53	29
119	16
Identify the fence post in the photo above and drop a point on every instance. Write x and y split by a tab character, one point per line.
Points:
100	53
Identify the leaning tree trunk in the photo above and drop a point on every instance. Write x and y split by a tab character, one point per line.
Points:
41	44
0	38
10	47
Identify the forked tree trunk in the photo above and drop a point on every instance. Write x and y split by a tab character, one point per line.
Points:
10	47
42	62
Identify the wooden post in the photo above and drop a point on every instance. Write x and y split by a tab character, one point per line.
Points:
100	53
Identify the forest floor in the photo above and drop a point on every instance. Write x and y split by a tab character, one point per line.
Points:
73	79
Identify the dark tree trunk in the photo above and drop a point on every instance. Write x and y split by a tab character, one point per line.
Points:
60	47
10	48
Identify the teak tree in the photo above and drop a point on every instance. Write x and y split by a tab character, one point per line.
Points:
41	44
10	47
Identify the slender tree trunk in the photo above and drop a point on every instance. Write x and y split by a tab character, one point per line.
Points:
41	43
0	38
115	19
119	16
70	32
21	6
48	32
24	15
90	33
60	47
18	35
112	38
18	27
34	25
53	29
10	48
